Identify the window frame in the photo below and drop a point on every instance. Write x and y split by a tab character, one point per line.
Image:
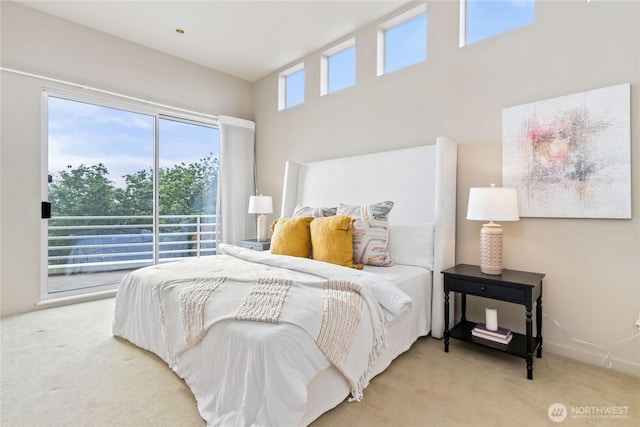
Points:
325	70
391	24
282	86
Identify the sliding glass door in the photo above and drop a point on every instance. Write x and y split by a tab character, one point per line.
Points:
187	188
126	189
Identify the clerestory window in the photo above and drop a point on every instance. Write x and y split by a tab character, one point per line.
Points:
291	87
482	19
402	41
338	67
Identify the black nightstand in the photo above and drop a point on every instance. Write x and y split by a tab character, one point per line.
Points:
518	287
255	244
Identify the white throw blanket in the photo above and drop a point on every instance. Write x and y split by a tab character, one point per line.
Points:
345	311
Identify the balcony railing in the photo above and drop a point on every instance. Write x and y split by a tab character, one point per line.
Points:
87	244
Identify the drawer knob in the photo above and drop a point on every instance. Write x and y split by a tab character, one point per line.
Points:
483	288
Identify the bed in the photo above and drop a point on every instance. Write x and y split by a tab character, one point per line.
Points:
288	370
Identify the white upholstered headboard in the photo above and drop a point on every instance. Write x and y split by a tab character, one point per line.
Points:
421	182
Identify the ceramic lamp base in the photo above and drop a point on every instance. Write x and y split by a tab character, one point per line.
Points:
491	249
262	228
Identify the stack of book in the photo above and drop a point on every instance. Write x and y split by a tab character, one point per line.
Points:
500	335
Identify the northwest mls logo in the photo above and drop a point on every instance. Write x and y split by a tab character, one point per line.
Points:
557	412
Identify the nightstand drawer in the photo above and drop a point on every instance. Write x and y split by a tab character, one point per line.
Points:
256	245
487	290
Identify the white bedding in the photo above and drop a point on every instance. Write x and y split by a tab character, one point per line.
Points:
251	373
328	388
415	282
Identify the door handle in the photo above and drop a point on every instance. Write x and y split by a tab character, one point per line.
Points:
45	210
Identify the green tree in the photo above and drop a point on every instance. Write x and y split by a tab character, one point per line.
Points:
84	190
189	189
184	190
137	197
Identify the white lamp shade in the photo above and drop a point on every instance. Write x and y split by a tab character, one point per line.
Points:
493	204
260	205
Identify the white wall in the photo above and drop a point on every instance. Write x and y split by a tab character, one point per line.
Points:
592	287
42	44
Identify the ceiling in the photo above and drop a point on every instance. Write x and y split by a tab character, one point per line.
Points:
246	39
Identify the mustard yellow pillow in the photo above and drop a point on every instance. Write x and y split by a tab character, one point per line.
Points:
332	241
291	236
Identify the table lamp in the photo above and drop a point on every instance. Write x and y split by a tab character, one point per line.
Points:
492	204
261	205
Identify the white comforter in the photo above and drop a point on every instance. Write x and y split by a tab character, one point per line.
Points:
245	372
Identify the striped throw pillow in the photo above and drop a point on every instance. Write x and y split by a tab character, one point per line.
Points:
371	233
313	211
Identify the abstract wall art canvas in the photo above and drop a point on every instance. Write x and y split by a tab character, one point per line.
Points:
570	156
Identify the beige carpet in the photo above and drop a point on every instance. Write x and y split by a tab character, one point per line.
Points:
62	367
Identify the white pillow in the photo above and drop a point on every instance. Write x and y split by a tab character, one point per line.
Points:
412	244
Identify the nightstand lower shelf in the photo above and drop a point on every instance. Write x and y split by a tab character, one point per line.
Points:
517	346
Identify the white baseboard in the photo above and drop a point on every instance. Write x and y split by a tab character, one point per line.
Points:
71	299
593	358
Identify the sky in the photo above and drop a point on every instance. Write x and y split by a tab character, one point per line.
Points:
489	18
81	133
